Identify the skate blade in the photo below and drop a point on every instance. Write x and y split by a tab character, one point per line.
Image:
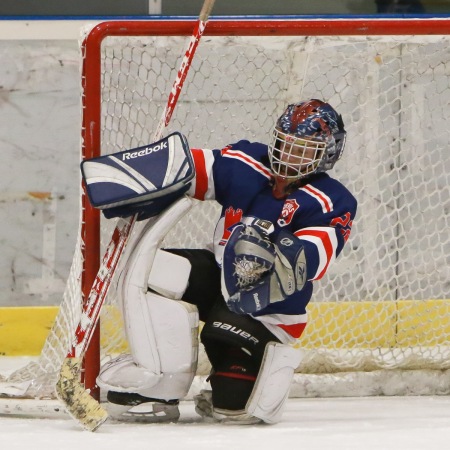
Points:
151	412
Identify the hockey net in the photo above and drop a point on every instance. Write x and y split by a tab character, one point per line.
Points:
379	323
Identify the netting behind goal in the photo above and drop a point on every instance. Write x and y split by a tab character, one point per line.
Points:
384	306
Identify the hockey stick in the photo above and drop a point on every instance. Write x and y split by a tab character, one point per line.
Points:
79	404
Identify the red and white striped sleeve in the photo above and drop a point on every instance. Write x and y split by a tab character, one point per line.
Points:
321	247
202	187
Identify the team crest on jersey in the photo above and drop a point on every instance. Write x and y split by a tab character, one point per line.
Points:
287	213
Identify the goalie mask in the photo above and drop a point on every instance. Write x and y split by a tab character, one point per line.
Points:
308	138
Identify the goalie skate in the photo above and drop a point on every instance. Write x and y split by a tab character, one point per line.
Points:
129	407
205	409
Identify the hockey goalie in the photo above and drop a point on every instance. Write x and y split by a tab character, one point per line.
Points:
283	222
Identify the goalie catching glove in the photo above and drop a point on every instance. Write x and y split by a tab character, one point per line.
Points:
257	272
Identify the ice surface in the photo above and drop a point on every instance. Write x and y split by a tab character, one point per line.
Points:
381	423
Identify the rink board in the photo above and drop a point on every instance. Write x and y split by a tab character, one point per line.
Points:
345	324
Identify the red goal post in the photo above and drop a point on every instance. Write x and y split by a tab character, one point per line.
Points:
218	28
384	308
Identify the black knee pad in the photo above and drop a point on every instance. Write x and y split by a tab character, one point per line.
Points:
235	347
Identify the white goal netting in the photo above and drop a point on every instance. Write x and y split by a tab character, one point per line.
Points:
384	307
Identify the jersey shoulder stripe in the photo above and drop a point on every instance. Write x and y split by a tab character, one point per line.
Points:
325	201
251	162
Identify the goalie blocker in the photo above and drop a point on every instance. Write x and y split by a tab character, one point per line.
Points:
142	181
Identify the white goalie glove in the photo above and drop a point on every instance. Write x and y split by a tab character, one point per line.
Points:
257	272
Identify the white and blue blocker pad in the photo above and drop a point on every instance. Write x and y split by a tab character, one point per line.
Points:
143	180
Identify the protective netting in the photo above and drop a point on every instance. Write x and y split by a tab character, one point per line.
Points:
385	304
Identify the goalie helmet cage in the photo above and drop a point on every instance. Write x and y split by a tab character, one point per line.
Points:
379	322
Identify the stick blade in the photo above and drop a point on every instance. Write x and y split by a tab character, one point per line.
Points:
79	404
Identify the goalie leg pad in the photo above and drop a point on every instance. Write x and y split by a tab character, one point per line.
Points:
169	275
252	373
162	332
143	256
235	346
272	386
167	362
148	391
269	394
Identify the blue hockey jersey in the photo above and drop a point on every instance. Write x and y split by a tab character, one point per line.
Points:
320	214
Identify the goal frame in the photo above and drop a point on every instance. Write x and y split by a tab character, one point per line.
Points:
91	84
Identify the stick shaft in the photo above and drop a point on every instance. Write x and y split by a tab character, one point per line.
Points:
184	68
110	260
